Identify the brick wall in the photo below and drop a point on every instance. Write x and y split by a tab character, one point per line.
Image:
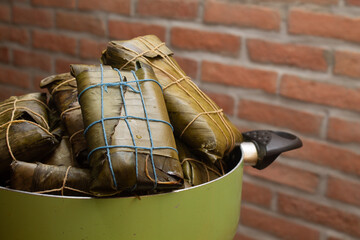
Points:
292	65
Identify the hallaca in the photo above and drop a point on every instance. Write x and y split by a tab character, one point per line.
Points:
25	133
62	155
130	140
197	120
196	171
43	178
63	89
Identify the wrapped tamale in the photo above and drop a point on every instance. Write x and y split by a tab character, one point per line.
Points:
24	131
43	178
62	155
63	89
196	171
197	120
130	140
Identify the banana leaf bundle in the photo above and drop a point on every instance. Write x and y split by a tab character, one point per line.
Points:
24	131
62	155
195	171
130	140
197	120
43	178
63	89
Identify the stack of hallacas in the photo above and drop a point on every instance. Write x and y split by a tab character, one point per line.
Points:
135	124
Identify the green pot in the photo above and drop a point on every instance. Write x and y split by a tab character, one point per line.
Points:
206	212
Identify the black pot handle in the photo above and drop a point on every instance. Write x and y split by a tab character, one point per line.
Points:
270	144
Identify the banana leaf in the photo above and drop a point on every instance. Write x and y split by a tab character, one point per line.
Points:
197	120
196	171
63	89
62	155
43	178
24	131
133	149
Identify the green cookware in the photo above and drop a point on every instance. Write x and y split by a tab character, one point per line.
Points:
208	211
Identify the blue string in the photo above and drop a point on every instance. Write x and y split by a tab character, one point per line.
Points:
121	84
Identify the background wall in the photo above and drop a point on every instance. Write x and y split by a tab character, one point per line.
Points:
274	64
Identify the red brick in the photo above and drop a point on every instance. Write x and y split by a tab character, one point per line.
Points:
320	92
343	130
187	9
32	59
5	92
224	101
54	42
347	64
13	34
240	236
280	116
33	16
70	4
191	39
353	2
318	213
242	15
287	54
126	30
90	49
14	77
335	238
115	6
327	155
36	82
80	23
318	2
278	226
238	76
189	66
4	55
5	13
324	25
256	194
344	190
62	65
289	176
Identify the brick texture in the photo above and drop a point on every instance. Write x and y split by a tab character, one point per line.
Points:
287	54
189	66
290	176
5	13
126	30
118	6
328	155
13	34
324	25
36	17
343	130
344	190
280	116
250	16
54	42
14	77
90	49
71	4
347	64
280	227
187	9
256	194
190	39
238	76
32	60
80	23
320	93
4	55
314	212
353	2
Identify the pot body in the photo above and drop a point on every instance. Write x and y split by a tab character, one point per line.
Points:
206	212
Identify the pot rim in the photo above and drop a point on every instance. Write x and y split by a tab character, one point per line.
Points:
142	196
